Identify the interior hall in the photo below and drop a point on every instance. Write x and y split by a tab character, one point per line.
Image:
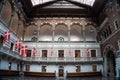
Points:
59	39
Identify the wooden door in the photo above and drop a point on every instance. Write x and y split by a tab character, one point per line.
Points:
44	53
43	68
78	68
61	53
29	53
94	67
27	68
77	54
61	73
93	53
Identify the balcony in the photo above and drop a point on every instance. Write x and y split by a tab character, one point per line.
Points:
8	52
64	60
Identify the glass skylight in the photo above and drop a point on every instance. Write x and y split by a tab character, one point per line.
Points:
87	2
37	2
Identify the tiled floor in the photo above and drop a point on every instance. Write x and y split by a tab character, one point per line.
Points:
52	78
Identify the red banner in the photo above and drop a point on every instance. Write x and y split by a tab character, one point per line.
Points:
88	53
17	44
33	52
6	36
24	50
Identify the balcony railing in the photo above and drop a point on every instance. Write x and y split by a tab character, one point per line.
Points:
6	51
65	59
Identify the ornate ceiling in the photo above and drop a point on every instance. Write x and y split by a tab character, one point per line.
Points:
63	8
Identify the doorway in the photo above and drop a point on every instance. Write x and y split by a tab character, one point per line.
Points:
27	68
93	53
77	54
61	71
111	63
44	54
61	54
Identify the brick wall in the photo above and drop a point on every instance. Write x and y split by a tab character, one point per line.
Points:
112	15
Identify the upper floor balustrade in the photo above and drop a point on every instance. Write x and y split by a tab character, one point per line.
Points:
65	59
4	50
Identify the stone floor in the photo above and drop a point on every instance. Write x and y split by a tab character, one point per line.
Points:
52	78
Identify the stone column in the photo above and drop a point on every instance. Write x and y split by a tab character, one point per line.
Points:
69	24
69	36
23	35
83	23
11	19
105	66
21	70
3	7
84	36
38	32
18	28
53	35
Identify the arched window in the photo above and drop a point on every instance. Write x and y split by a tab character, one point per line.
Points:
34	39
61	39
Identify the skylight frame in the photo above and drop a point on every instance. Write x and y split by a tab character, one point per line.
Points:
37	2
87	2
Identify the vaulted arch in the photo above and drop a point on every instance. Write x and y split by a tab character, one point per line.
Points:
6	15
76	32
61	30
29	32
45	33
15	23
90	33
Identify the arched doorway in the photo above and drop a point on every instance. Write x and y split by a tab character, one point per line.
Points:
110	57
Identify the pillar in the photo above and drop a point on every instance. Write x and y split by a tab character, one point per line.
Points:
69	36
21	70
11	19
84	37
23	35
53	35
3	7
18	28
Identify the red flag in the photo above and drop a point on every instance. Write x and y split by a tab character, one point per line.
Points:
7	36
88	53
23	50
33	52
17	44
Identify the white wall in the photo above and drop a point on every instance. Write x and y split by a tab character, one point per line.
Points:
4	64
86	68
68	68
35	68
14	66
51	68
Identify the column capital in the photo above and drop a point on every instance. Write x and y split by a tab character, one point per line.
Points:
83	23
